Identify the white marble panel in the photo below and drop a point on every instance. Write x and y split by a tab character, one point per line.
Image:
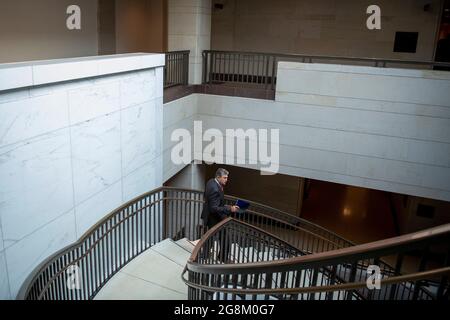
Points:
14	77
24	256
119	64
14	95
65	86
159	171
38	184
140	181
159	112
4	282
169	168
187	124
1	236
27	118
138	136
365	183
180	109
363	104
379	146
96	155
153	60
130	62
93	101
97	207
24	74
365	86
352	120
159	78
69	70
138	88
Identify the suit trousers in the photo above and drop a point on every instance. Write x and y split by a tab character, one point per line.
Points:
224	243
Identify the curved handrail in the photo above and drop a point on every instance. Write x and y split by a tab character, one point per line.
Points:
165	212
90	234
363	250
289	218
325	263
54	267
217	227
25	286
316	289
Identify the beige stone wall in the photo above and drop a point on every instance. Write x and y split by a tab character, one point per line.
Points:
189	28
106	27
322	27
406	210
36	30
139	26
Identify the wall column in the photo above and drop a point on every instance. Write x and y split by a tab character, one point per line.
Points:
189	28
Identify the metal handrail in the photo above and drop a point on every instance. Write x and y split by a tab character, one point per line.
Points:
168	212
176	68
260	68
364	250
316	289
290	218
54	267
319	261
377	61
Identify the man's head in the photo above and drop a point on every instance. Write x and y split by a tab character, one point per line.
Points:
222	176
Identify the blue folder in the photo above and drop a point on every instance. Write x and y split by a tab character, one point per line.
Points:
243	205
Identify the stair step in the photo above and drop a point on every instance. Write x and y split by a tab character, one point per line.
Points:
154	273
169	249
186	244
126	287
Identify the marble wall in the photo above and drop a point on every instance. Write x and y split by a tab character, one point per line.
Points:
71	152
386	129
178	114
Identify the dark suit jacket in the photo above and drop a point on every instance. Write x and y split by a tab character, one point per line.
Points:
214	209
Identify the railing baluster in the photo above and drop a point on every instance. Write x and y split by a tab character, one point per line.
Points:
444	283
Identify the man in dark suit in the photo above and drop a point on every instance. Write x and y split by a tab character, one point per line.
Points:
214	208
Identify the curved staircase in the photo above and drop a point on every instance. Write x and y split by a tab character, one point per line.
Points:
154	247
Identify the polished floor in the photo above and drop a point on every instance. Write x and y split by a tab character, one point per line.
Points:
357	214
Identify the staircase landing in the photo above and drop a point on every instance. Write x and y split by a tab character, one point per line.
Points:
153	275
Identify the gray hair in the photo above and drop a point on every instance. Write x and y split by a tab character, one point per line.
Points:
221	172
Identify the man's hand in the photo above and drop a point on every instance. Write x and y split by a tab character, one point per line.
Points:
234	209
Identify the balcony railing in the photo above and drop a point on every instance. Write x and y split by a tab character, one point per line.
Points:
176	69
260	69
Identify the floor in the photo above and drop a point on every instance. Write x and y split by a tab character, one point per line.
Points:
135	281
357	214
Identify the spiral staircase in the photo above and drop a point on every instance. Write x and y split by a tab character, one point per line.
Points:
155	247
